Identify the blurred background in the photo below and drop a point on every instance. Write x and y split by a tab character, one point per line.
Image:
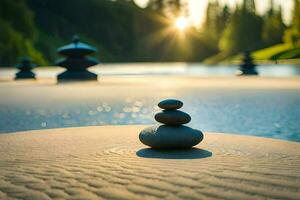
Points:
150	50
207	31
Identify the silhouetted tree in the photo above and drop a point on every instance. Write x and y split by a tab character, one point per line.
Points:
249	5
244	31
273	28
124	32
292	35
17	32
215	23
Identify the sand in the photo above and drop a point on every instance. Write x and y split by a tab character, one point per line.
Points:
163	81
109	162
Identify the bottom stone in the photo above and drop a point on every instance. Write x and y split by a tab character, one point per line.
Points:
79	75
170	137
25	75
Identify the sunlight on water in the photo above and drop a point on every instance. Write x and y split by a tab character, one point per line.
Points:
268	113
165	69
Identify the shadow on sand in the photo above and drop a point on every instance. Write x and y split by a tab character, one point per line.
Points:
193	153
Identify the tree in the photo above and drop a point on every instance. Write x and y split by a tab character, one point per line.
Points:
292	35
215	23
18	33
249	5
244	31
273	28
296	15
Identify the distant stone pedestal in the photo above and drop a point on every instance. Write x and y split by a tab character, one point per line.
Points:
76	61
247	67
25	69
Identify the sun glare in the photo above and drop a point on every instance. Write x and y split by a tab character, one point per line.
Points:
181	23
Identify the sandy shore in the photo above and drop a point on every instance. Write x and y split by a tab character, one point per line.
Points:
162	81
109	162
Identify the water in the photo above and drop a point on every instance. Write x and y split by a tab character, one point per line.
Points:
279	70
264	112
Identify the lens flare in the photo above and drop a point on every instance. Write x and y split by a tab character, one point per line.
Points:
181	23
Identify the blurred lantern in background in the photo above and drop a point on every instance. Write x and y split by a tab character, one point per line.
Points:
25	68
76	61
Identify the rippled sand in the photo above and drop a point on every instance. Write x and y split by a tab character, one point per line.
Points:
110	163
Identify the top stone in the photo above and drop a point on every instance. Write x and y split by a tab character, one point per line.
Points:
76	48
170	104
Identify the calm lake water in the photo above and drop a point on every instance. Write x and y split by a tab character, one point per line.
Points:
167	69
265	112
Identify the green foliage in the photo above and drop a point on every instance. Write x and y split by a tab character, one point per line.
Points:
123	32
274	27
277	52
110	24
248	31
217	58
289	54
292	35
10	41
17	14
296	16
17	33
243	32
216	20
120	30
268	53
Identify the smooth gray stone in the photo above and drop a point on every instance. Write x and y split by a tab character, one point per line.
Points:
170	137
172	117
170	104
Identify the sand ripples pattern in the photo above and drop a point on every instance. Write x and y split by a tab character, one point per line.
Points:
110	163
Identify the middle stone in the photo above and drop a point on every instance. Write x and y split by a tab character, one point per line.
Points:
172	117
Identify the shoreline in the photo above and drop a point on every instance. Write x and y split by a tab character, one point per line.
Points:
229	134
230	82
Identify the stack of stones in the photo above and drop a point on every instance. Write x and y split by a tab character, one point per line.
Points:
76	61
172	134
25	68
247	67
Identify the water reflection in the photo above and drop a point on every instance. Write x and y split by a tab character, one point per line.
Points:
267	113
276	70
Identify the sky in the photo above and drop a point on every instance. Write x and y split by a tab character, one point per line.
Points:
197	8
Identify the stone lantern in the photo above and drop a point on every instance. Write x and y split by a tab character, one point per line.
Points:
247	67
76	61
25	69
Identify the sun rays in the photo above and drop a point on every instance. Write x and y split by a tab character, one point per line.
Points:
181	23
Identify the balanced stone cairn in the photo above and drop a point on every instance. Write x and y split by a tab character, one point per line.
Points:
173	134
25	69
247	67
76	61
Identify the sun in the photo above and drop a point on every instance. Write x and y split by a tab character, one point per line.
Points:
181	23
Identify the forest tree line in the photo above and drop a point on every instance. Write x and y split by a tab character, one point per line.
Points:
124	32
